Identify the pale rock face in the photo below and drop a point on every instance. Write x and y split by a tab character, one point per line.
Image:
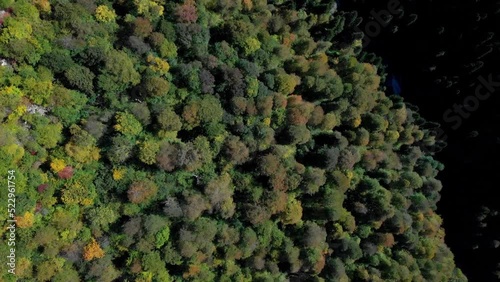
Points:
3	62
36	109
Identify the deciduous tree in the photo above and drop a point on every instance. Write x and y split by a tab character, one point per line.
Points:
92	250
141	191
235	150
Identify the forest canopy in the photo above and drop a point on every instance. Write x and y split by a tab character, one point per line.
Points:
210	140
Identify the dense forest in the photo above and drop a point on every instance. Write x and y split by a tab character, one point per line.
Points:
210	141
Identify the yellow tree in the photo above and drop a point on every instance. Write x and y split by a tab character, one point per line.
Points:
158	65
104	14
42	5
150	9
293	212
127	124
26	220
57	165
92	250
148	150
287	83
82	146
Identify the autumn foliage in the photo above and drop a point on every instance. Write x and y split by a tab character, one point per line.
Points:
186	12
141	191
211	141
66	172
92	251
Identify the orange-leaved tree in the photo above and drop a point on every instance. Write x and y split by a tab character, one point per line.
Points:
92	251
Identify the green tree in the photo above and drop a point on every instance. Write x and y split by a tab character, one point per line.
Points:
314	178
162	237
141	112
204	111
169	120
127	124
103	216
81	78
155	86
48	269
286	83
120	150
47	134
148	150
119	72
299	134
293	212
67	105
